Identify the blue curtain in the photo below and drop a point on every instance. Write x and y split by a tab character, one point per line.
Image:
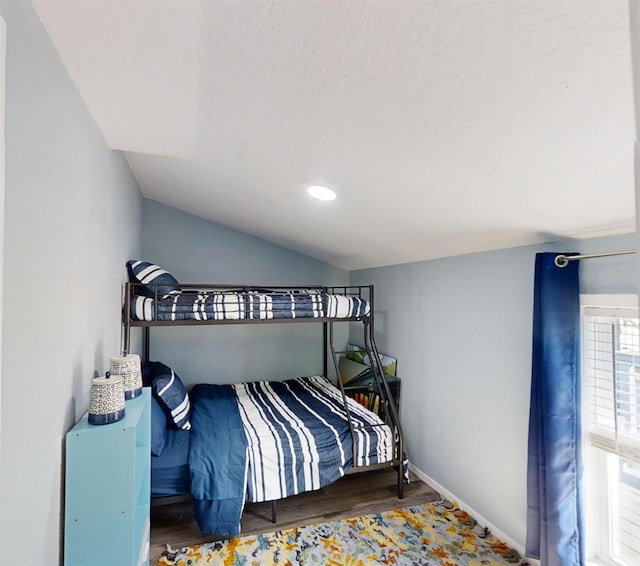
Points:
554	492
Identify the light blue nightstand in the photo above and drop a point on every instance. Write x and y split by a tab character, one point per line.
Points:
108	482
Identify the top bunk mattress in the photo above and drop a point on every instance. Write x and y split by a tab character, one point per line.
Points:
246	305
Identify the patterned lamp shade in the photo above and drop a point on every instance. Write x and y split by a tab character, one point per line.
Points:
107	399
128	366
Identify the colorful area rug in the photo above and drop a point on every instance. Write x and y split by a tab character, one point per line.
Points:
434	533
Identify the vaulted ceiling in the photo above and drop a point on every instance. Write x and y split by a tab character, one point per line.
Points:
445	127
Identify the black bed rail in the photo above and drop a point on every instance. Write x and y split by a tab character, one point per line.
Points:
361	291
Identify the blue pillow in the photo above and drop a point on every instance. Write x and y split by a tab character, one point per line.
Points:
171	394
151	277
158	427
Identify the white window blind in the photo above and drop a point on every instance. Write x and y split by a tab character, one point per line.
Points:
611	428
612	369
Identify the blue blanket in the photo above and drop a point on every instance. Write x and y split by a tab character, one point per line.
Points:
217	459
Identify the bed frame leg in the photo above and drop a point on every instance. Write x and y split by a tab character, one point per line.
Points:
273	511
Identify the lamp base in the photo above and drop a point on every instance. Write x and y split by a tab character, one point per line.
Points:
132	394
107	418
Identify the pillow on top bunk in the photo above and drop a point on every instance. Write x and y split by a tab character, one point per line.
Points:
152	277
172	395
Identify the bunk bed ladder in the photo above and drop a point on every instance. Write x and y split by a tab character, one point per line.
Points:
390	409
382	387
344	395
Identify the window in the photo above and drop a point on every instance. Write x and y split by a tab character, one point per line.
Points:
611	428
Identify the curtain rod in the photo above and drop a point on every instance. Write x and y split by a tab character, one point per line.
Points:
563	260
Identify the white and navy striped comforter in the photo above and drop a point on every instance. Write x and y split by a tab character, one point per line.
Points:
262	441
251	305
298	436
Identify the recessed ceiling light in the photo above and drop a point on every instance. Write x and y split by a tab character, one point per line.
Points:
321	193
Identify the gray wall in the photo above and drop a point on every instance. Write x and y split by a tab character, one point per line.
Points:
198	251
461	330
72	219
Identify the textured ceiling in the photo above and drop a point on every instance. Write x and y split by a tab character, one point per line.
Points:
444	127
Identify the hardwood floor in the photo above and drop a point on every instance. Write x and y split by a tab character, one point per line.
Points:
353	495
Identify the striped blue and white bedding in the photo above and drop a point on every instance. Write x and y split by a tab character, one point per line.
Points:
296	438
253	305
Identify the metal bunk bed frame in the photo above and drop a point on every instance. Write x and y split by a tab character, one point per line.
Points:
380	386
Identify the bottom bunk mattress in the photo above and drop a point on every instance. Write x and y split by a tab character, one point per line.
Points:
170	470
262	441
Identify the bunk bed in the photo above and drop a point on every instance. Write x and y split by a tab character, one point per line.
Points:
262	441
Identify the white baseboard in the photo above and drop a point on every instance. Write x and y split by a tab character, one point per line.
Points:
495	531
